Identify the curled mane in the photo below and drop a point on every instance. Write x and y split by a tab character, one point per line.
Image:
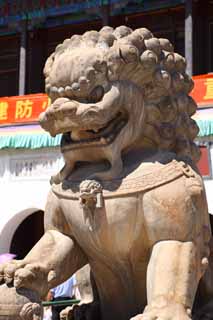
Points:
151	64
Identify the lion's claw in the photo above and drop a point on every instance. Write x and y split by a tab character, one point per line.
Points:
22	277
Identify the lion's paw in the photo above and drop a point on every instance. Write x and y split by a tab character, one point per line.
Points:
88	311
66	314
168	312
22	274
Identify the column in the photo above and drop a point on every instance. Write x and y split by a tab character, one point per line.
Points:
189	36
22	58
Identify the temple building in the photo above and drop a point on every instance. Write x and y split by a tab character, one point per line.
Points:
29	31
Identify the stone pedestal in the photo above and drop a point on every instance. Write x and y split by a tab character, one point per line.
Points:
19	304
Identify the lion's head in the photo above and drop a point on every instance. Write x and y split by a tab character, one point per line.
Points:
114	89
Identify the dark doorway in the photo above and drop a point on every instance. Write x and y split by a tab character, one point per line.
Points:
27	234
9	65
211	220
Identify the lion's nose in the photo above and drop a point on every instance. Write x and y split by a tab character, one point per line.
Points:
42	118
46	124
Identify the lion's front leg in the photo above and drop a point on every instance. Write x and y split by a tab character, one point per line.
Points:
63	173
173	274
41	269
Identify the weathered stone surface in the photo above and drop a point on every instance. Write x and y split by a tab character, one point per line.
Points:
129	201
17	304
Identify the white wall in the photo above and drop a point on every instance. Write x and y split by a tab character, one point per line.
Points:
209	185
24	185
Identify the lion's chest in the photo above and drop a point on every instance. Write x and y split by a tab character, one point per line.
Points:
143	209
112	228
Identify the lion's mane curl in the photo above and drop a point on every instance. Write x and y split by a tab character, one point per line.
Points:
152	64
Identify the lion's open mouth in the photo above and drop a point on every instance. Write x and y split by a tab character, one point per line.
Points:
98	138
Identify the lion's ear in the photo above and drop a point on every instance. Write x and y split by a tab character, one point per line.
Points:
48	65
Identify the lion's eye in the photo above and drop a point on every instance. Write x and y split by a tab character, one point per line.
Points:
96	94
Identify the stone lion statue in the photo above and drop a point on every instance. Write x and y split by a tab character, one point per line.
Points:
129	200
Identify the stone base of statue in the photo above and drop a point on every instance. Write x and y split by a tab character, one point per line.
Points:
19	304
